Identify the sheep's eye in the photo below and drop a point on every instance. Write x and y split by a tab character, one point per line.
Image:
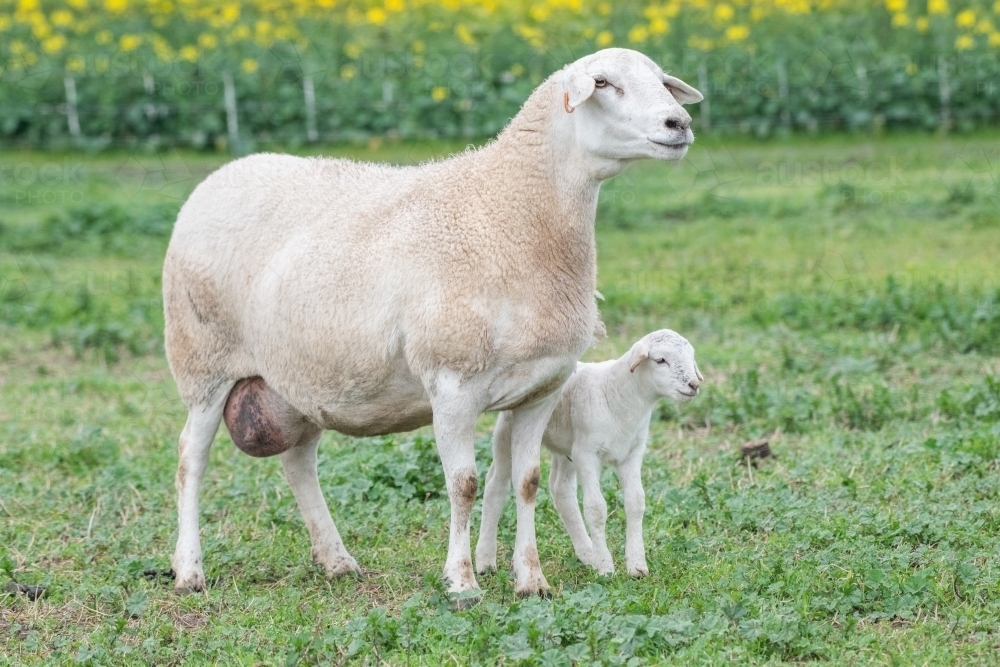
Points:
662	362
600	81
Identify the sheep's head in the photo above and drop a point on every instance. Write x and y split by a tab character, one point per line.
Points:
665	360
626	108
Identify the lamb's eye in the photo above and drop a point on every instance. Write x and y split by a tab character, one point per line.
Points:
662	362
600	81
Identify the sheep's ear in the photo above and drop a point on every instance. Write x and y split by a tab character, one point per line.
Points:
682	92
638	353
697	371
577	87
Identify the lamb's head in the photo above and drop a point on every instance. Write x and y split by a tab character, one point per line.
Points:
665	361
626	108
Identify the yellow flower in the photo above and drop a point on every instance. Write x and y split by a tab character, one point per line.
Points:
895	6
901	19
911	68
353	50
41	30
77	4
736	33
937	6
539	12
964	42
376	15
418	46
723	13
604	9
394	5
638	34
996	6
439	93
249	65
923	24
604	38
659	26
25	6
62	17
116	6
995	39
189	53
5	22
207	40
230	13
985	26
129	42
517	69
965	19
75	64
464	35
54	44
701	43
348	72
104	37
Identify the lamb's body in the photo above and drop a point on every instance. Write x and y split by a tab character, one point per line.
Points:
372	299
600	419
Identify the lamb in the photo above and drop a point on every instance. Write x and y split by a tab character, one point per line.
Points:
309	294
601	418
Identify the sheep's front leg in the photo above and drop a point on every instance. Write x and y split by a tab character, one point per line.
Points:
454	430
526	441
595	509
494	495
630	477
192	449
328	549
562	486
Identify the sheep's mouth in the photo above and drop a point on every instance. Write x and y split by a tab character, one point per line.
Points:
675	145
690	394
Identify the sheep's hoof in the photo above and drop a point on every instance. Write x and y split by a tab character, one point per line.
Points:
544	592
466	600
486	568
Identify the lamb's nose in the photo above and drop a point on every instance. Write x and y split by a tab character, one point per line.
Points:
693	384
674	123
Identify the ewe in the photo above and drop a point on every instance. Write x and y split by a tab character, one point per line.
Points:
602	418
309	294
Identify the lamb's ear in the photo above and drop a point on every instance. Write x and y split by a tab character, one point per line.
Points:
577	87
682	92
697	371
638	353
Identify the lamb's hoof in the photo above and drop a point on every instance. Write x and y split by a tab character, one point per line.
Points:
486	568
192	582
341	566
638	571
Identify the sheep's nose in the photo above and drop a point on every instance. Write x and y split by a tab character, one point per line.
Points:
674	123
693	384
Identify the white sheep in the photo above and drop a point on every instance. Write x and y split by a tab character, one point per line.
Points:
308	294
602	418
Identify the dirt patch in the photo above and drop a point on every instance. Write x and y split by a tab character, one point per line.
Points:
529	487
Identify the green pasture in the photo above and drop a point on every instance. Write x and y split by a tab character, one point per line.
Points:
843	296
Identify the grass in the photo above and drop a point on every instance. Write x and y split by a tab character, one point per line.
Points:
842	295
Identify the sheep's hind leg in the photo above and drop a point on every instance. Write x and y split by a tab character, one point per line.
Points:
328	549
494	496
526	441
193	449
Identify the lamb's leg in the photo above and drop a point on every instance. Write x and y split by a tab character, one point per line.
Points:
328	549
562	486
630	477
595	509
526	442
494	496
455	429
192	449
